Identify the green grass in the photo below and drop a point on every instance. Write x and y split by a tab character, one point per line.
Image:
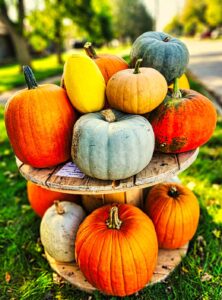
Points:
11	77
199	276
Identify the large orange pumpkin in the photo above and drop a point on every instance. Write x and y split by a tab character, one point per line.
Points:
184	121
39	122
116	249
41	199
108	64
174	210
136	91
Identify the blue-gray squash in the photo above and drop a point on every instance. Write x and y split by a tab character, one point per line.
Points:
111	145
162	52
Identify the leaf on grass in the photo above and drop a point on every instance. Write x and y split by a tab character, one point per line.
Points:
7	277
206	277
184	270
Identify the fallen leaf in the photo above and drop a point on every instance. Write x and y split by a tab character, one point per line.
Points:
206	277
216	233
184	270
7	277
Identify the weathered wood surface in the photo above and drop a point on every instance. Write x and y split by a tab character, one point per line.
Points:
161	168
167	262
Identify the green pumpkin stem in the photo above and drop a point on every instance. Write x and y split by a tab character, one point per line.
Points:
59	208
176	91
173	192
137	66
29	78
113	222
90	51
108	115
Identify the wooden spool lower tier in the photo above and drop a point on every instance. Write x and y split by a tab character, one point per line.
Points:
161	168
166	263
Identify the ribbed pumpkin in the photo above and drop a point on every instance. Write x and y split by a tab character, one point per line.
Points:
183	83
84	83
111	145
108	64
136	91
174	210
162	52
132	197
39	122
41	199
116	249
183	122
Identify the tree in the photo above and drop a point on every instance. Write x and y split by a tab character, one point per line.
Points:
16	29
214	13
175	27
132	19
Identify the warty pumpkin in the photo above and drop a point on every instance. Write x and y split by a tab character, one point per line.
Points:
111	145
41	199
116	249
108	64
132	197
84	83
136	91
58	229
174	210
162	52
39	122
184	121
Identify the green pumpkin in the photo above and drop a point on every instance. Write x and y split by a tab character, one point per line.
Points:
162	52
111	145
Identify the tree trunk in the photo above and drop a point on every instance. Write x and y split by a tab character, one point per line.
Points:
21	49
58	38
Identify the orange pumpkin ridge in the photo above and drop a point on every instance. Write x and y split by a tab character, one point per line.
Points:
108	64
174	211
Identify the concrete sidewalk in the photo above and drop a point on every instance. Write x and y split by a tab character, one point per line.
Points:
5	96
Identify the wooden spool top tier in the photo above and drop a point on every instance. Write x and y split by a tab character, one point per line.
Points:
161	168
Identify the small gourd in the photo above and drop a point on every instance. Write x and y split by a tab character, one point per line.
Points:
58	229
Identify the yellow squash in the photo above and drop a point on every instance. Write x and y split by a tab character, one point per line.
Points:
84	83
183	82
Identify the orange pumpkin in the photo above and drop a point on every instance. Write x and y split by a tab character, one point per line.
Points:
41	199
108	64
136	91
39	122
175	211
116	249
133	197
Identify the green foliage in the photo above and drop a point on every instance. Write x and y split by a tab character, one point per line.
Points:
214	12
175	27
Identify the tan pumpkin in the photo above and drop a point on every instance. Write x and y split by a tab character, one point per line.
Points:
133	197
136	91
175	211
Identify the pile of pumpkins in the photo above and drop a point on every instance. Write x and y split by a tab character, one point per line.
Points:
109	118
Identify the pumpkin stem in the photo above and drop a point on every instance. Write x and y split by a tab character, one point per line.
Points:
29	78
166	39
137	66
176	91
173	192
108	115
114	222
59	208
90	51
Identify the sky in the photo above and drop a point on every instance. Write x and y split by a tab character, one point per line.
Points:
164	9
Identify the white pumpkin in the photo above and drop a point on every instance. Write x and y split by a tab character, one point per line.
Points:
58	229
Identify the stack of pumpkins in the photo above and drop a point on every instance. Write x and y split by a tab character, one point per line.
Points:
109	118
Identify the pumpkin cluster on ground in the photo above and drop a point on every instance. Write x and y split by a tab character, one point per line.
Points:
109	118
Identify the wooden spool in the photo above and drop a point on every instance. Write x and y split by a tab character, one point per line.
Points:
166	263
161	168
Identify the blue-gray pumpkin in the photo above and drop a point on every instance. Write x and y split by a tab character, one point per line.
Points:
162	52
111	145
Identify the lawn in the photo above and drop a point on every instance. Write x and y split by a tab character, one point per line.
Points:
26	275
10	75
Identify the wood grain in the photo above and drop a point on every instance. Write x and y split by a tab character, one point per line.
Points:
167	262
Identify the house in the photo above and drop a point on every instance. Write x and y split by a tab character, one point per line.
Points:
7	52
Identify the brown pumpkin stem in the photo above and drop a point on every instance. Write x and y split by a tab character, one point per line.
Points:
59	208
176	91
29	78
137	66
90	51
173	192
108	115
166	39
114	222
